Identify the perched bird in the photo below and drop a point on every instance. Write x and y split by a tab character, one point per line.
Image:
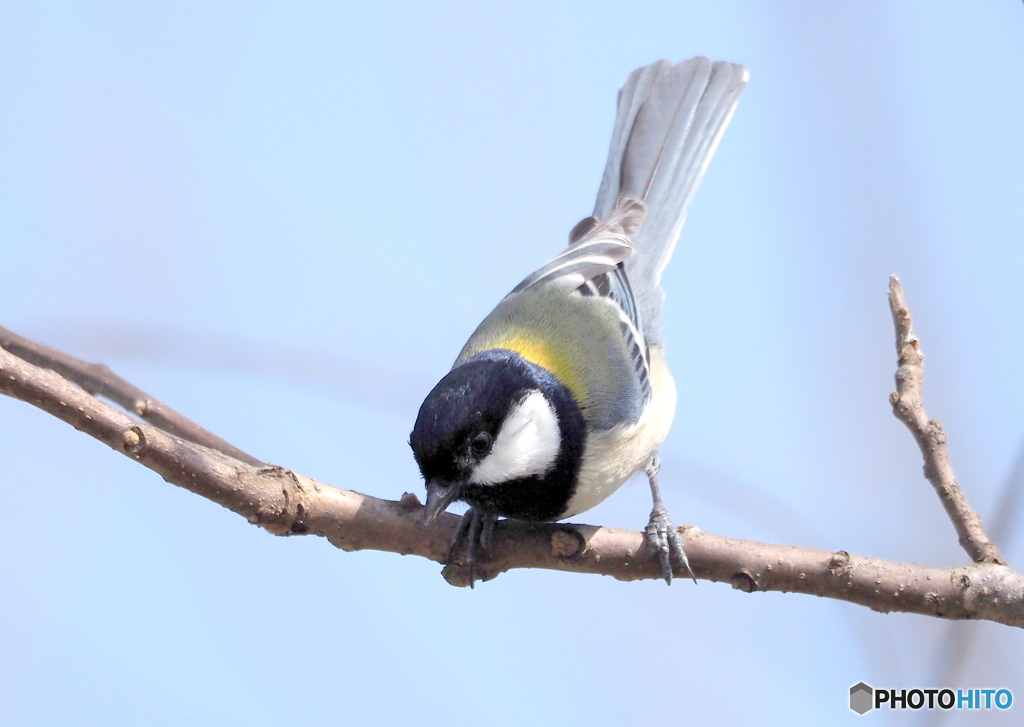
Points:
562	393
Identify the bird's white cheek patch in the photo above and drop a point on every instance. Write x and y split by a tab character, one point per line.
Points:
527	443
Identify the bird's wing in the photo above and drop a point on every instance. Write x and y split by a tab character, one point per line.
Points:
596	248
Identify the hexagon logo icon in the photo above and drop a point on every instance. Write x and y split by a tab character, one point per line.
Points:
861	698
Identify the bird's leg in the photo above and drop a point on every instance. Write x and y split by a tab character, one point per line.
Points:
460	535
477	527
474	542
661	534
487	532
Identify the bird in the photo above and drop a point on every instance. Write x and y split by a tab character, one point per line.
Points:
563	391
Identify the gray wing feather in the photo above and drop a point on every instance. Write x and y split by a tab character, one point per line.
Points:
581	262
600	250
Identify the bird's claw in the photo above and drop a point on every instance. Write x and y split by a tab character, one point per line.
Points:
478	528
663	539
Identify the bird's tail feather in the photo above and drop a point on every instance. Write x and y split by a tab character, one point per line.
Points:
669	122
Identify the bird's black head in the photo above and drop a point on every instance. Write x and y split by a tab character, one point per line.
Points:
502	434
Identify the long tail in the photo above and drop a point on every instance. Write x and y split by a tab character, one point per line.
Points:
669	122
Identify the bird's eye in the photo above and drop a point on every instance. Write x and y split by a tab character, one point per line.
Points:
481	443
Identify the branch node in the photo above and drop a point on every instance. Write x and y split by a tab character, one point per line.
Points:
743	581
289	517
566	543
839	564
410	501
133	440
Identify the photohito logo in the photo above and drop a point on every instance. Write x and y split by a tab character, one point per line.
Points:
863	698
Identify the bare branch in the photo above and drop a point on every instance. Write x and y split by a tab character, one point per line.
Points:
908	407
98	379
958	642
284	502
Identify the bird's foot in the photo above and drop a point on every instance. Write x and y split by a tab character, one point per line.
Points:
663	539
477	528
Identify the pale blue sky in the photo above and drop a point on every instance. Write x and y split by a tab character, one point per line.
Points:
266	216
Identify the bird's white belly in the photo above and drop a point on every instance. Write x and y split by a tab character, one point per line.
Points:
612	456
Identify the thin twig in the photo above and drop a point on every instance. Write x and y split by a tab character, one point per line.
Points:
98	379
908	407
284	502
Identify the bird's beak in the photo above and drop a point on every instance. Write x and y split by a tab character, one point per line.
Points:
440	494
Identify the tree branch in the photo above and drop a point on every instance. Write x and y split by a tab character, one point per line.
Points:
98	379
908	407
284	502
